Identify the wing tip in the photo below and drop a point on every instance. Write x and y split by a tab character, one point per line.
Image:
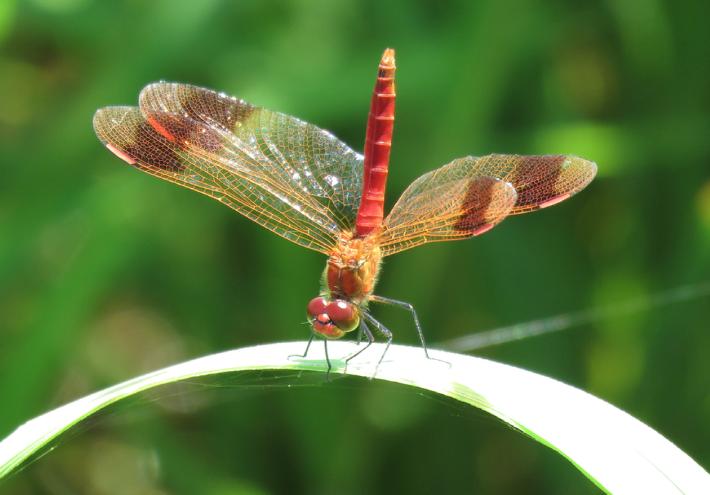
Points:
105	117
581	161
96	121
587	168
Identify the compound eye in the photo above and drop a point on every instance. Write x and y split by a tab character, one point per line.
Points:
344	314
317	306
327	329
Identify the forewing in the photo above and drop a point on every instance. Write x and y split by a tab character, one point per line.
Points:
302	158
432	207
286	175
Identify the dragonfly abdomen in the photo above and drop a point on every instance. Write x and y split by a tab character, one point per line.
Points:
378	142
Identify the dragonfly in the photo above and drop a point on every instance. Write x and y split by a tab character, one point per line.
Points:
304	184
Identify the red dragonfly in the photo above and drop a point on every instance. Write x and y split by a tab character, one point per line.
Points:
304	184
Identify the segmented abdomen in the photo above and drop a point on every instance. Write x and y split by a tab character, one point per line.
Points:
378	142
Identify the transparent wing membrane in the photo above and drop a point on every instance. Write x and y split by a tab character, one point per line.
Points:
304	184
471	195
540	180
286	175
441	207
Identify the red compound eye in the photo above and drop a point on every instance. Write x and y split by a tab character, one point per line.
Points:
332	319
327	330
316	307
344	314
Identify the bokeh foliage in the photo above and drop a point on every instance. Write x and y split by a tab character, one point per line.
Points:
106	272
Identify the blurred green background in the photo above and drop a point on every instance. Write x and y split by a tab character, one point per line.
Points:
106	272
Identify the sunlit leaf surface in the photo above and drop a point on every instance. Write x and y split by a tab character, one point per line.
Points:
617	452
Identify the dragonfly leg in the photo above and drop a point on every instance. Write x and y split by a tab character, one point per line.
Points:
408	307
360	333
386	333
308	346
370	339
327	359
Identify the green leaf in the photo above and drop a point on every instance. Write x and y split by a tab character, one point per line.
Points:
617	452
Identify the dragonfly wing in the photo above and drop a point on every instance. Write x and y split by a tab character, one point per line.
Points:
471	195
445	205
286	175
540	180
299	156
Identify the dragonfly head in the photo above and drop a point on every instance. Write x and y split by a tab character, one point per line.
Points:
333	318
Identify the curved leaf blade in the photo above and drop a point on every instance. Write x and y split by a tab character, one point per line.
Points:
617	452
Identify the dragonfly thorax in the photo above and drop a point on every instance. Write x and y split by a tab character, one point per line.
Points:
349	279
352	269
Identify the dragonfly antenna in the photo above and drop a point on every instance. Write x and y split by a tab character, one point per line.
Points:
520	331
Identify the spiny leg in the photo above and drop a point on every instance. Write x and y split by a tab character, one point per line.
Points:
360	333
408	307
370	339
308	346
386	333
327	359
305	353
